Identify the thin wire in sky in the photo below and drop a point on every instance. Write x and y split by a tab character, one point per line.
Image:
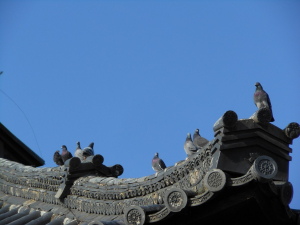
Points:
26	119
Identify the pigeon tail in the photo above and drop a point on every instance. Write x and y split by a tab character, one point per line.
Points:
91	145
57	158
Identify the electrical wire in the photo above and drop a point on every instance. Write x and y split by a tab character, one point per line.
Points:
26	119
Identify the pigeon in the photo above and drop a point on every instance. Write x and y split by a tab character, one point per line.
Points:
157	163
91	145
78	152
65	154
88	151
57	158
199	141
188	146
261	99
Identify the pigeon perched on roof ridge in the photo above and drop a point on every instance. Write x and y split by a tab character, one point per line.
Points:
199	141
78	151
261	99
57	158
188	146
91	145
157	163
88	151
65	154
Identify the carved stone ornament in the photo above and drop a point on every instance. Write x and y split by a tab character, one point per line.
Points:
159	215
175	199
229	119
264	168
200	199
263	116
292	130
134	215
286	193
215	180
238	181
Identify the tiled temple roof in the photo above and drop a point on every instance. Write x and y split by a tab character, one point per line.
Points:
245	164
14	149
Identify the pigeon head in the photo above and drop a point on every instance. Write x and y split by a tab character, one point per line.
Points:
156	154
258	86
64	147
57	152
196	134
188	137
78	144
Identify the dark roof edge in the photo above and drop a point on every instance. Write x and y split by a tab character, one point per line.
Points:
22	145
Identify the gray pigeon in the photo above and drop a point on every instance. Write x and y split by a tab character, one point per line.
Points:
91	145
78	152
88	151
57	158
261	99
157	163
188	146
65	154
199	141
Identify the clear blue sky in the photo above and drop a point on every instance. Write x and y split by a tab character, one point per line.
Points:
136	76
